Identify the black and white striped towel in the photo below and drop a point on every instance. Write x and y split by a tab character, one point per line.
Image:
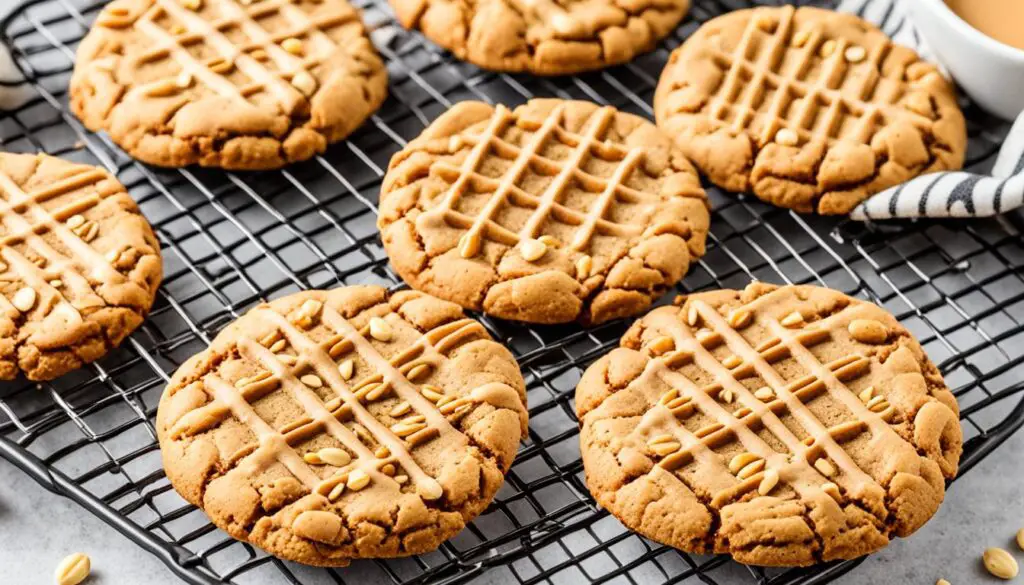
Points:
949	193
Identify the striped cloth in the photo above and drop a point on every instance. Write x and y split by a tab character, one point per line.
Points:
948	193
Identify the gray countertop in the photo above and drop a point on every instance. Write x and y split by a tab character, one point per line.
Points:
984	508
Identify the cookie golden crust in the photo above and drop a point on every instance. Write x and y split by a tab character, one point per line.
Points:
227	83
543	37
785	426
334	425
806	108
557	211
79	265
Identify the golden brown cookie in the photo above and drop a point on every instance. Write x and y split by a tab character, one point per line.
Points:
782	425
554	212
333	425
79	265
237	84
543	37
807	108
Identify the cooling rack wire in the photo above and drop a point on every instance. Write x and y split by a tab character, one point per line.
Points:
231	240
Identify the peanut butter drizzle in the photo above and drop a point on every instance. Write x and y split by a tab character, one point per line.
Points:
483	226
288	97
310	402
855	480
882	435
581	239
58	265
273	446
760	70
596	126
439	214
325	367
685	340
797	471
660	420
509	179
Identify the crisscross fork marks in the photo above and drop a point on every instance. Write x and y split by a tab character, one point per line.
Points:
198	29
276	444
13	212
858	480
794	468
392	375
585	145
869	110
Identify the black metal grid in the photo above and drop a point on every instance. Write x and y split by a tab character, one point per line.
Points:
231	240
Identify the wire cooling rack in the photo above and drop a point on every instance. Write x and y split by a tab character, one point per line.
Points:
231	240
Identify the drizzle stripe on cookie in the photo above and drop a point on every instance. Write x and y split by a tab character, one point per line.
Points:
26	219
761	71
809	463
483	226
287	96
275	445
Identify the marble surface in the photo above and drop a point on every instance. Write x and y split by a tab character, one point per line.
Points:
984	508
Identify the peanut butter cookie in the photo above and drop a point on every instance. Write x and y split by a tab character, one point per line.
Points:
807	108
334	425
782	425
557	211
543	37
237	84
79	265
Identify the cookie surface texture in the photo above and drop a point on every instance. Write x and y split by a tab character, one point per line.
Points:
226	83
807	109
79	265
330	426
785	426
543	37
554	212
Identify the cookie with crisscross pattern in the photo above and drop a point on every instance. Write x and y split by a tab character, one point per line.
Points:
807	108
556	211
782	425
79	265
238	84
333	425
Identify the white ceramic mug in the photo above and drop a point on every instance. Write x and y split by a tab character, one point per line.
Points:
989	71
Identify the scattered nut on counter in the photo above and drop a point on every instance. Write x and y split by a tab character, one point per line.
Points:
72	570
1000	563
